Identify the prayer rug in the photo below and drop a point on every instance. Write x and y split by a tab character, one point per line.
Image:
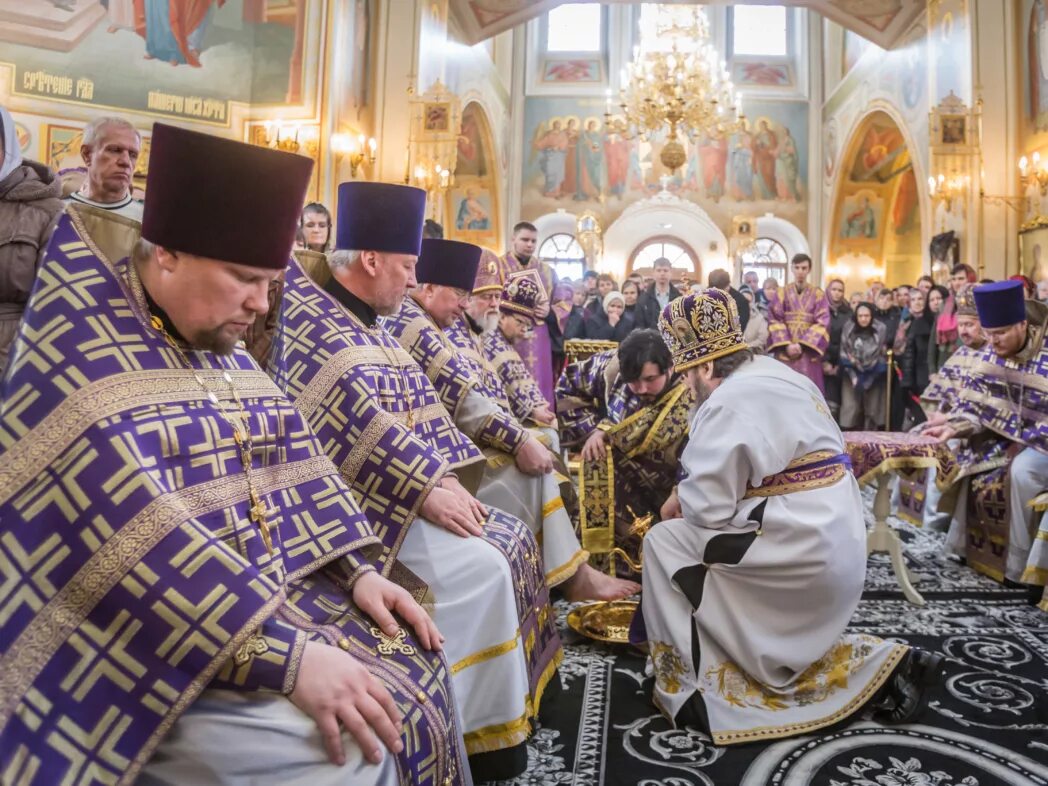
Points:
986	725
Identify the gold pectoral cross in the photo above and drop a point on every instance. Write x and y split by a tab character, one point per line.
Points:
258	513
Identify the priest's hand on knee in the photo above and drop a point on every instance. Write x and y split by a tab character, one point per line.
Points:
378	597
333	687
534	458
452	511
793	351
594	448
480	511
671	507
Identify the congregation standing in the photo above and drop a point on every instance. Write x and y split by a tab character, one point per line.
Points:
309	468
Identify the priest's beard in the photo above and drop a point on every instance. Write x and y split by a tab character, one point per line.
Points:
702	392
489	322
220	340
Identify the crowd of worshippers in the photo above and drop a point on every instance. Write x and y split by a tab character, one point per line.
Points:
284	491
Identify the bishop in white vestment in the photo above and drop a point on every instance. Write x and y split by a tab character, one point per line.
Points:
747	595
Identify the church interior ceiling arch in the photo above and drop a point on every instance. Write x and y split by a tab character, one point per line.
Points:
882	21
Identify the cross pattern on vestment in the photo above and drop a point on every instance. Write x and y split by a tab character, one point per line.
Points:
389	645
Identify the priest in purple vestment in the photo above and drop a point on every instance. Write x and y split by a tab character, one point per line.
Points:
537	350
190	591
799	323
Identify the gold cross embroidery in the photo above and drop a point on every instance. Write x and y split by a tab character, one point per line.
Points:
258	513
388	645
255	645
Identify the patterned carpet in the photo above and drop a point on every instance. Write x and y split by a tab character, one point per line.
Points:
987	725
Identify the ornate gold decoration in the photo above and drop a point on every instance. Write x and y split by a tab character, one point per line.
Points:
955	132
607	621
668	665
686	89
701	328
436	119
255	645
390	645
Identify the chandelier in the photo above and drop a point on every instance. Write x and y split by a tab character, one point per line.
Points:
685	91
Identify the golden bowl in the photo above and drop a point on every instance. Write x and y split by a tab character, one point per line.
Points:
607	621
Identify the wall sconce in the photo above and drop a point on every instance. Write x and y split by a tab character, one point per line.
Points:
946	189
1038	173
432	177
359	151
291	137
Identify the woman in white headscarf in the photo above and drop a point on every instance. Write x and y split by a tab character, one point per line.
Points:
30	201
611	323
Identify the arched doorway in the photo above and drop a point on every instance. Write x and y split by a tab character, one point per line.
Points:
683	259
875	221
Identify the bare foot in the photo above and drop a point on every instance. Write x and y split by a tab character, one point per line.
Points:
588	583
112	29
148	57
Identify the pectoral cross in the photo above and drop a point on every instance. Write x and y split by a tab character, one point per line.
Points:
258	513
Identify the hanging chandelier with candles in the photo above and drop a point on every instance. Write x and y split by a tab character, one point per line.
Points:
685	91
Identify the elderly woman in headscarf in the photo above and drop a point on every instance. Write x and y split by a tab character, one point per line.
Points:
30	201
864	363
611	323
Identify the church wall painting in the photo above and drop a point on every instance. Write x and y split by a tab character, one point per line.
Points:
187	61
862	216
1033	47
572	162
471	208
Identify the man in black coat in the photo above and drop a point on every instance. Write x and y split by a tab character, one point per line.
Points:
657	296
721	279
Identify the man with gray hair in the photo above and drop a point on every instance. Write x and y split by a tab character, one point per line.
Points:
110	150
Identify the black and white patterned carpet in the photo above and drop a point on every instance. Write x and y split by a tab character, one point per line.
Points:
987	725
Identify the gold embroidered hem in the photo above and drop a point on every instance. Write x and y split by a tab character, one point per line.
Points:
1032	575
793	729
543	682
505	735
498	736
552	506
567	570
486	654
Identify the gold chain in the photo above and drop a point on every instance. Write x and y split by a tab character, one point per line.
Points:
239	421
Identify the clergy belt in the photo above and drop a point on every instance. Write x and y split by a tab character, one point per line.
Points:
812	471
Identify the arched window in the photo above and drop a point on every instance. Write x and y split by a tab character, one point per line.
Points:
574	27
680	255
767	258
565	254
759	30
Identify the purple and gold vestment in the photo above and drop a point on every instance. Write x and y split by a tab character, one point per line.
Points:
522	391
380	419
137	577
646	440
473	395
536	350
1001	406
800	316
455	373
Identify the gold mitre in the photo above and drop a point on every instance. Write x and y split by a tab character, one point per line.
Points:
700	328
